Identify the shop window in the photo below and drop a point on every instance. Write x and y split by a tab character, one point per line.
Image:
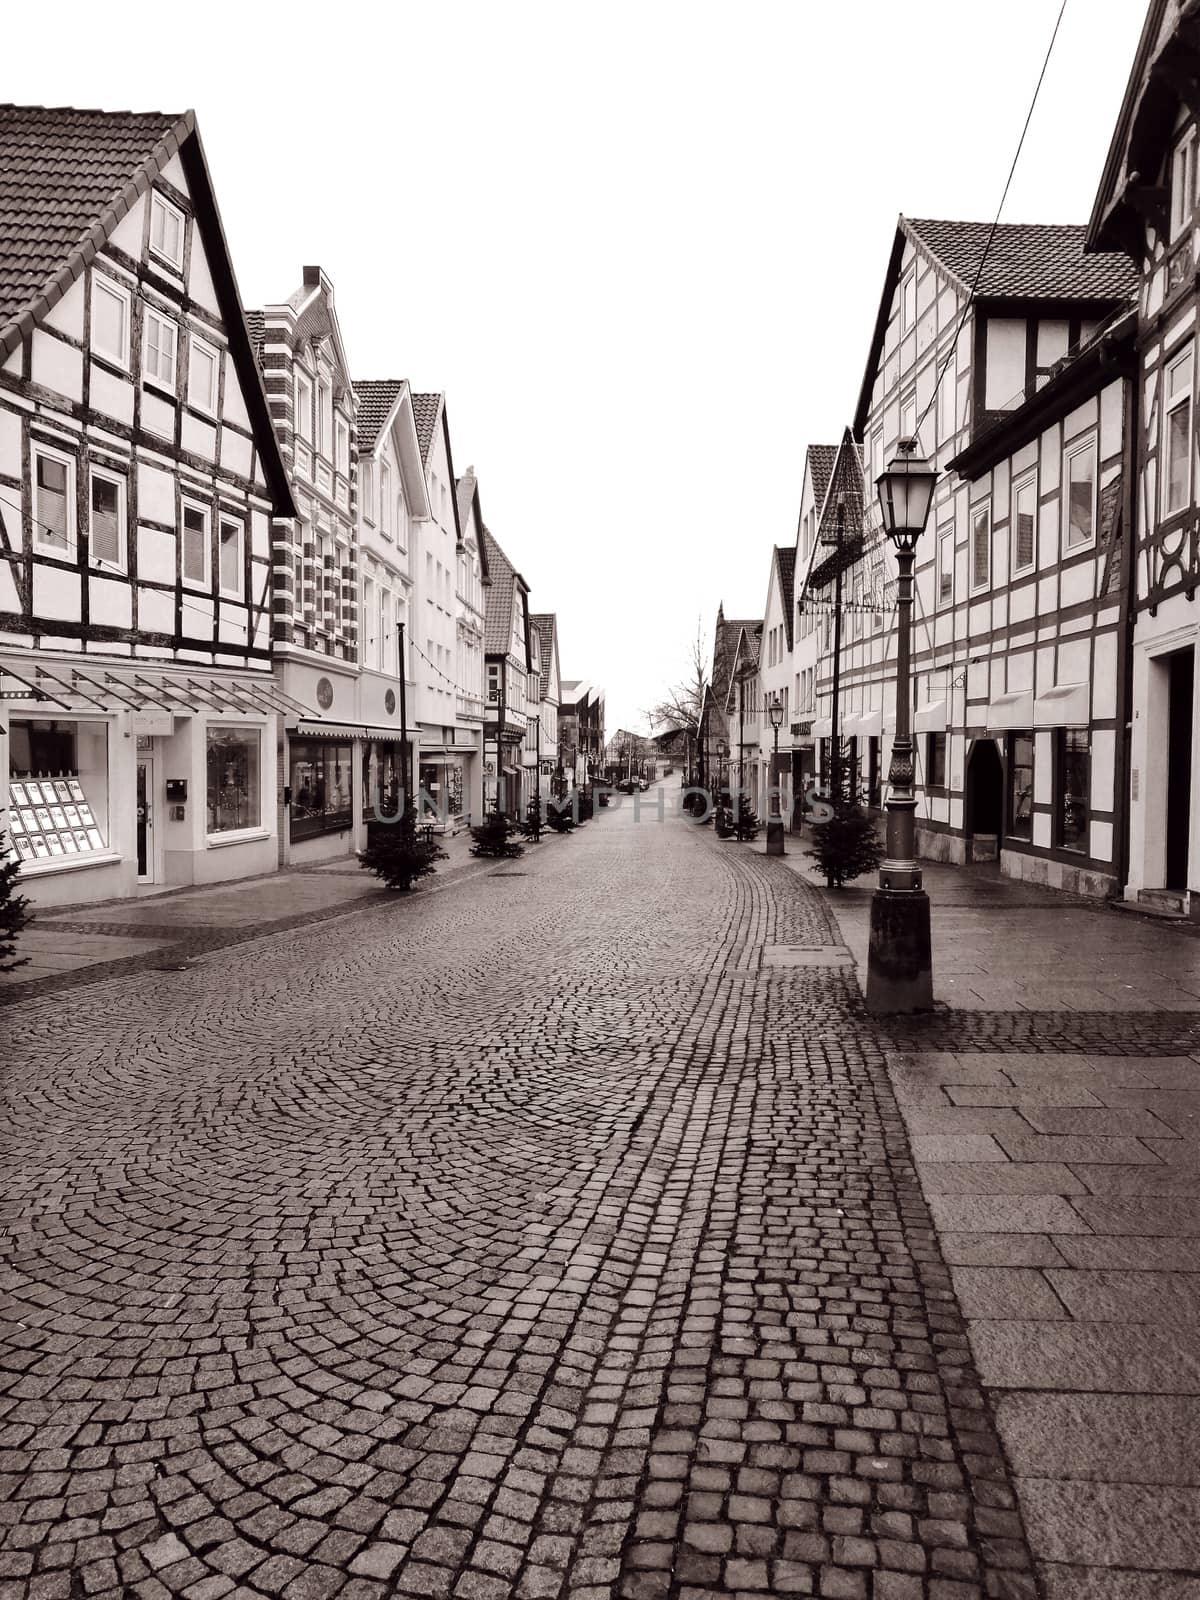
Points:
1024	528
1081	496
320	779
53	502
1020	785
442	784
106	525
1074	788
58	789
1177	432
234	778
383	778
935	760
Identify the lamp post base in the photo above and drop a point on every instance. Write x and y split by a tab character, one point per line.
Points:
775	836
900	955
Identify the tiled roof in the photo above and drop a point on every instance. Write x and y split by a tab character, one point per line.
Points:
425	410
845	485
546	624
1037	261
465	489
256	327
61	170
497	623
820	464
724	648
376	397
785	555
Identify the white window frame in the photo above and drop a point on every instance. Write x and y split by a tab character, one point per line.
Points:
909	281
187	504
209	407
226	520
1083	447
945	543
303	412
1182	194
324	440
103	284
160	205
908	404
1026	481
155	379
119	564
385	499
341	445
41	543
977	583
1185	353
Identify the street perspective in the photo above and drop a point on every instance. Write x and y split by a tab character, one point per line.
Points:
600	863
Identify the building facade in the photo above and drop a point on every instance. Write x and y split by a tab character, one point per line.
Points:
775	680
471	620
551	782
1147	206
506	667
138	477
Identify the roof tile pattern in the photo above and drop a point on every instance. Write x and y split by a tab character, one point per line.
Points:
497	623
546	623
425	410
376	397
785	556
1036	261
820	465
256	327
60	169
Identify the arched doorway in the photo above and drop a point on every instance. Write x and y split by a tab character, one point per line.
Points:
983	819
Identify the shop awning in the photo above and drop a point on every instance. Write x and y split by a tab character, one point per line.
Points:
868	725
930	718
1067	705
306	729
385	734
142	686
822	728
1014	710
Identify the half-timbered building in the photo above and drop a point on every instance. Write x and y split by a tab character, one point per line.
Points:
545	626
470	621
506	665
743	713
1147	206
139	473
806	643
315	622
775	679
1015	645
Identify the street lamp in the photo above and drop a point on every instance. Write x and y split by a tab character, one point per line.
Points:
900	958
775	820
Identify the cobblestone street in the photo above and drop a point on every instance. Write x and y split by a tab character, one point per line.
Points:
542	1236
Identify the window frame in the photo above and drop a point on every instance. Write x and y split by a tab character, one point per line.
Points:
1086	446
385	495
42	545
935	744
190	503
909	281
103	284
1027	480
341	445
225	520
324	439
302	415
253	740
1061	736
978	584
195	342
160	203
1184	352
1182	201
153	379
109	475
1010	798
945	576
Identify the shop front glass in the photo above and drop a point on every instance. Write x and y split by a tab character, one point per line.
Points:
233	770
320	778
58	789
442	784
383	779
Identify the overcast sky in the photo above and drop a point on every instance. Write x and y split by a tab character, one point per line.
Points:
639	245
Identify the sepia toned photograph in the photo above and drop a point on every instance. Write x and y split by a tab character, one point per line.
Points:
600	865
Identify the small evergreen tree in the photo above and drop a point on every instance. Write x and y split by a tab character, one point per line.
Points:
531	827
14	911
723	821
561	818
746	822
493	837
846	846
400	853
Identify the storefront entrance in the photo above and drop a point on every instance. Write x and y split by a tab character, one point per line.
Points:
145	817
984	810
1180	690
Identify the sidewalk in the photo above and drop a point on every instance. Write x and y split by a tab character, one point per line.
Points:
1064	1183
68	945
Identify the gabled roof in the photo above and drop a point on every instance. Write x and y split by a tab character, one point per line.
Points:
746	653
506	585
785	568
67	178
377	399
425	409
546	624
1025	261
1164	61
845	503
820	465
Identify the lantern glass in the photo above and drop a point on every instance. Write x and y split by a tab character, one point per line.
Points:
775	712
905	490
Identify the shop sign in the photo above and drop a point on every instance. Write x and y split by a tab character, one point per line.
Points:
152	723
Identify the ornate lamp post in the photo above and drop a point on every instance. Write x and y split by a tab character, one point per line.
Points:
900	960
775	820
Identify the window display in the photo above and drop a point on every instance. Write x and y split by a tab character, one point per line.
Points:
58	788
383	775
1020	785
233	780
320	779
1074	787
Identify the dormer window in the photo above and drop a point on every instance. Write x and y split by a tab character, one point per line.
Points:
166	230
1183	182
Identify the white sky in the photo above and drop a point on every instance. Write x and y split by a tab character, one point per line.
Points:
639	245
